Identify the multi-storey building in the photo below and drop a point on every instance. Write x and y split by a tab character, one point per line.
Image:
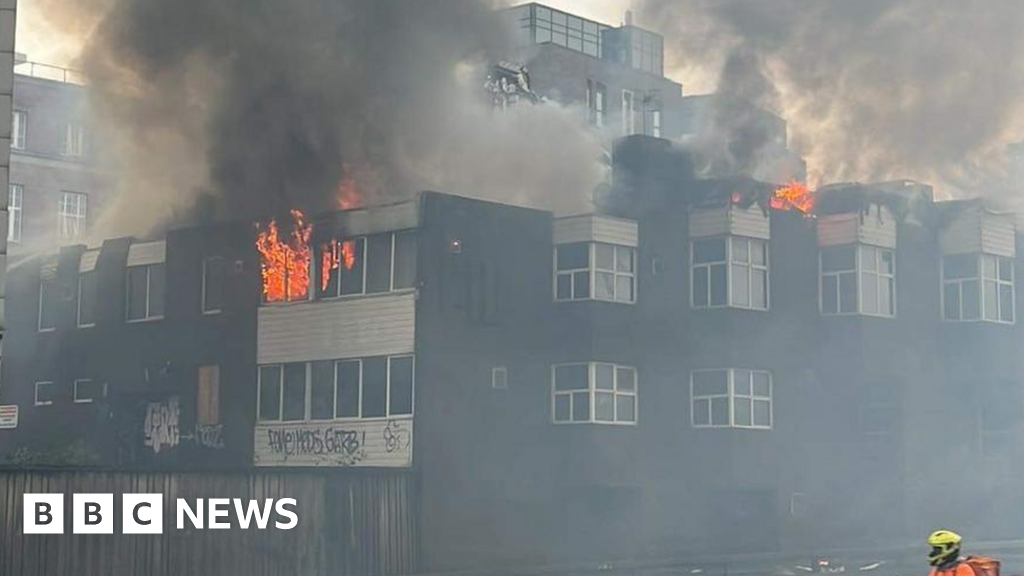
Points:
699	367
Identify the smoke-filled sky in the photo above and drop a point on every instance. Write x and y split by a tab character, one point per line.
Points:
873	89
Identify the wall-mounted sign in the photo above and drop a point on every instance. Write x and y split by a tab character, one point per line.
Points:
8	416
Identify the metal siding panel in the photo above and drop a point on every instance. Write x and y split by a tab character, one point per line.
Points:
837	229
709	222
878	228
963	234
344	328
998	234
147	253
573	229
381	443
751	222
592	228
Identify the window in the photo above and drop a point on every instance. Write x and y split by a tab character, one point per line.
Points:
19	128
499	378
46	393
729	271
977	287
85	391
731	398
47	305
593	392
610	269
564	29
214	274
146	292
87	292
858	279
655	127
71	215
360	388
208	396
366	265
628	112
74	140
596	94
15	201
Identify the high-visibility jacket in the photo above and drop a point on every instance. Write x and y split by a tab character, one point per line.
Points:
958	568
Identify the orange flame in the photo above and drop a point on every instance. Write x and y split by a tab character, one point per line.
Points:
349	195
284	264
793	196
332	255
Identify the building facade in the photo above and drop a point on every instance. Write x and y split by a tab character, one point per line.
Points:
697	368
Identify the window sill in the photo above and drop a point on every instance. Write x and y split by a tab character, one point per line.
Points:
593	422
730	427
861	314
980	321
50	403
730	307
44	330
144	320
346	297
87	325
568	300
212	312
346	420
83	401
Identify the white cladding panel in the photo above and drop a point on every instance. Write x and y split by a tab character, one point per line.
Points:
706	222
999	234
837	229
877	227
750	221
147	253
593	228
384	442
978	230
343	328
88	261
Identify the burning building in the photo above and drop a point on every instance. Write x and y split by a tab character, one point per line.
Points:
697	368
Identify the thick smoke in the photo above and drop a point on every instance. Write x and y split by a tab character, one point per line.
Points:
872	89
248	108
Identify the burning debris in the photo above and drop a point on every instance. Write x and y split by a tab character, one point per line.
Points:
285	264
793	196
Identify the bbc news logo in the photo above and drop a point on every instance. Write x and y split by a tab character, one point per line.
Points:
144	513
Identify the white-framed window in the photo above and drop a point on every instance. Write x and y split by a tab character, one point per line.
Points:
655	127
729	271
366	265
15	202
357	388
71	215
858	279
499	377
48	305
87	294
74	140
629	109
978	287
214	276
596	95
731	398
45	393
593	392
595	270
19	129
86	391
146	288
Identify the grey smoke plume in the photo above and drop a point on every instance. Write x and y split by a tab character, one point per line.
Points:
263	106
872	89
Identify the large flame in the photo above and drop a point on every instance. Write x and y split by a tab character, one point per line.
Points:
284	264
793	196
333	255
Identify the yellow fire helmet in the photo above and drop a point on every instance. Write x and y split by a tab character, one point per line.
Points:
945	546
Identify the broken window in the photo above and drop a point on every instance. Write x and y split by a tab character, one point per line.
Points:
321	391
293	396
731	398
145	292
378	262
208	396
608	268
366	265
270	393
214	274
47	304
87	292
858	279
977	287
594	392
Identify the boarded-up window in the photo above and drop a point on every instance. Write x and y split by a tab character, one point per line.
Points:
208	396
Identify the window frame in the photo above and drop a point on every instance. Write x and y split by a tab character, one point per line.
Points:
980	279
858	272
317	264
495	372
628	113
592	271
78	300
728	264
19	129
15	212
39	323
592	391
67	219
597	102
731	395
202	295
74	140
74	392
308	398
149	296
35	397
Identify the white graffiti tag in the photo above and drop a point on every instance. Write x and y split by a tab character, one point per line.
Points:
161	426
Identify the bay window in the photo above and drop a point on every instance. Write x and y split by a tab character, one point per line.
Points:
858	279
729	271
593	392
595	270
978	287
731	398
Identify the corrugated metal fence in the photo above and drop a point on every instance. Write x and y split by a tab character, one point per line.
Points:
350	523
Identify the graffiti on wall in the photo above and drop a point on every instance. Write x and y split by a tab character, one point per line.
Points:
161	428
356	443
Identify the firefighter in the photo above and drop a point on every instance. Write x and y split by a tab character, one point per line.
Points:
945	555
